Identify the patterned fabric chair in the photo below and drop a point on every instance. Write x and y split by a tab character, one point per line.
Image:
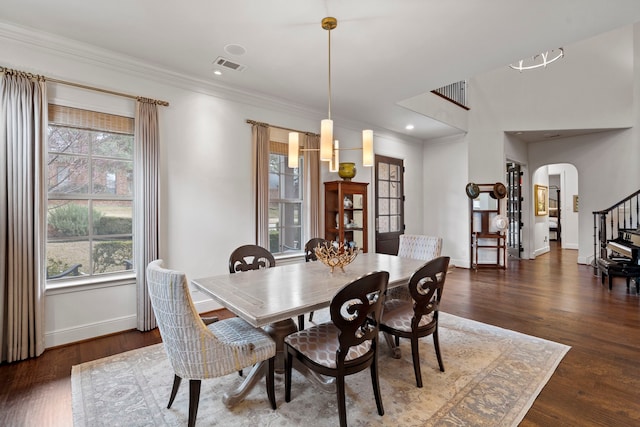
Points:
416	246
346	345
418	318
196	351
310	255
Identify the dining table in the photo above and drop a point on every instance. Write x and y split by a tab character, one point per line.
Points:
272	297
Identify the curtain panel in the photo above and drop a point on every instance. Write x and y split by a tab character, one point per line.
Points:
260	136
147	202
23	127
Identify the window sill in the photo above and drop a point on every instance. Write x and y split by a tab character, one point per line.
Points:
289	258
78	284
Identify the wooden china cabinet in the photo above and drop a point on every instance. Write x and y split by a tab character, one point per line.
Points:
345	213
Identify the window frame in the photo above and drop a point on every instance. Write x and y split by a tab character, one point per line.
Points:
105	278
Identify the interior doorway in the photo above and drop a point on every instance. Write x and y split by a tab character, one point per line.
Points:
514	210
389	203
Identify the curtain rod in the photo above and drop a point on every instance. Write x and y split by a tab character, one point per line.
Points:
253	122
79	85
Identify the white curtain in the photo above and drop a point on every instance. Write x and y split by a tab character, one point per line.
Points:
260	140
147	161
23	124
313	170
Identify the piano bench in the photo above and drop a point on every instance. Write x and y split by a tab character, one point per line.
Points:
613	269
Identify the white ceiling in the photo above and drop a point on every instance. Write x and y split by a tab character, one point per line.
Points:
383	51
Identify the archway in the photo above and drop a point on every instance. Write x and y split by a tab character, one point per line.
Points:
554	201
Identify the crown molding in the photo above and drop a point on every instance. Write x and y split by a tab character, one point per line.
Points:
131	66
92	55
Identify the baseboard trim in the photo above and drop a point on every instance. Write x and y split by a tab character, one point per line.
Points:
89	330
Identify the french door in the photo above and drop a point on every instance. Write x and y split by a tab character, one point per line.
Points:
389	202
514	210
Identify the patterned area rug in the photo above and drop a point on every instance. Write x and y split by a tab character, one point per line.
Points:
492	377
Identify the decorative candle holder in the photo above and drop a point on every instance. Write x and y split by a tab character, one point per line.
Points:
334	254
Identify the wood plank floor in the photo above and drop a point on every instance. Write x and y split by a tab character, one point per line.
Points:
596	384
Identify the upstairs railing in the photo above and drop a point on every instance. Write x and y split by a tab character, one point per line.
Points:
608	223
455	92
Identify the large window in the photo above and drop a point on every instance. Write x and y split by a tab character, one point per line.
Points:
286	208
90	193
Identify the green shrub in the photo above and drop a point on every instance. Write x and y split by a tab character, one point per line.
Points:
71	220
114	225
111	255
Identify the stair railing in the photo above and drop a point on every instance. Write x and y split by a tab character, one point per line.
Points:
608	223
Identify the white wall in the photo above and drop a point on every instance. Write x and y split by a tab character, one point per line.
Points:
446	205
591	88
206	188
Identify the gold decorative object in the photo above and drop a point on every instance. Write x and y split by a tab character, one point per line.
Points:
335	254
347	170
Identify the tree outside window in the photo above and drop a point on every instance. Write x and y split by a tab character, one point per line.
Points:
90	197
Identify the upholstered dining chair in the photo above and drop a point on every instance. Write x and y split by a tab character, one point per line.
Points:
310	255
196	351
419	317
416	246
346	345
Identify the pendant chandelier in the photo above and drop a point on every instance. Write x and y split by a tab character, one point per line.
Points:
541	60
329	148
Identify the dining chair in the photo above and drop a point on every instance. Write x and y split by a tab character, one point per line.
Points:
346	345
415	246
418	318
197	351
310	255
250	257
254	257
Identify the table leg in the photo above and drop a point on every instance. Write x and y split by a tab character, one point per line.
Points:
236	396
396	353
278	331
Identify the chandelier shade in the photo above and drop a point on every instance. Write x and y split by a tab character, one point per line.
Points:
329	148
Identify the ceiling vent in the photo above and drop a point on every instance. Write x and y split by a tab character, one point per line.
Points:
225	63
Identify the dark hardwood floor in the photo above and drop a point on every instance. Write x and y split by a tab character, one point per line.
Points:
596	384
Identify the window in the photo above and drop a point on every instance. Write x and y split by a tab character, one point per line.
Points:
90	193
286	208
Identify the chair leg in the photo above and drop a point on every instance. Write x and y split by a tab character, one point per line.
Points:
301	322
436	344
194	399
270	379
415	352
376	385
288	361
342	406
174	390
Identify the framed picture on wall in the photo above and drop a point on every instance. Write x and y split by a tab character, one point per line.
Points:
541	200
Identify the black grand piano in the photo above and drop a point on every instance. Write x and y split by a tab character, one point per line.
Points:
623	258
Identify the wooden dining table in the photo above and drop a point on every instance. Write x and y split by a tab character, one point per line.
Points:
272	297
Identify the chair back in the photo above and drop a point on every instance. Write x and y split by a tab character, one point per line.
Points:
417	246
250	257
356	310
183	332
426	285
310	248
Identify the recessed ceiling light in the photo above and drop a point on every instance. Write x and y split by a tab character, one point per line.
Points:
235	49
408	127
217	72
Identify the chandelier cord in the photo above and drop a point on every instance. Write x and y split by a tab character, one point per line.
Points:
329	113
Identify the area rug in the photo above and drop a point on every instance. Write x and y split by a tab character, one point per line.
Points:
492	377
